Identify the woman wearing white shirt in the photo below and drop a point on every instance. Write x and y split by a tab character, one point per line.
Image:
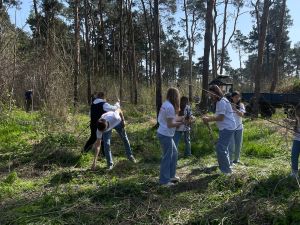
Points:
165	133
226	124
237	139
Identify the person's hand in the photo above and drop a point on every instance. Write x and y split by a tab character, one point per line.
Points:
205	119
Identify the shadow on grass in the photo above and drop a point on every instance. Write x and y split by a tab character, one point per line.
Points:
205	170
199	185
261	204
57	150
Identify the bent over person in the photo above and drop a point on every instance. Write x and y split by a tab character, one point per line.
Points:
99	106
107	122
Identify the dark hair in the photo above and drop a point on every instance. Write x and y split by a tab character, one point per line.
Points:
183	103
217	92
102	125
238	104
173	96
100	94
297	114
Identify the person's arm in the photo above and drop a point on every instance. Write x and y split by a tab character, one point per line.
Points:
171	122
207	119
220	113
122	116
239	112
108	107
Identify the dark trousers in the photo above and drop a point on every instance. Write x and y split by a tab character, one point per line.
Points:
92	139
28	104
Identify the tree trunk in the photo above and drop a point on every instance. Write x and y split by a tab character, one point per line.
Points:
277	48
212	60
37	17
158	56
148	61
133	57
216	36
113	54
152	54
188	37
207	43
224	36
87	49
77	52
261	43
121	75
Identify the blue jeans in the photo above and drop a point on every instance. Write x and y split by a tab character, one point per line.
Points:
106	139
187	141
225	137
169	159
235	146
295	155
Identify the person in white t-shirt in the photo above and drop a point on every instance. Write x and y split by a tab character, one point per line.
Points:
99	106
107	122
185	129
238	112
167	125
226	124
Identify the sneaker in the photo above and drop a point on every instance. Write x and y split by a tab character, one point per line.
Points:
169	184
226	173
175	179
132	159
294	173
238	162
110	167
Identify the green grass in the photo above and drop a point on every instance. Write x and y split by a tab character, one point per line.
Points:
45	180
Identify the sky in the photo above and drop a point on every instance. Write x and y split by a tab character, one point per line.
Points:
244	24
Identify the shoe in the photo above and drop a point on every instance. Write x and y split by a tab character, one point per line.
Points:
169	184
227	173
294	173
110	167
132	159
175	179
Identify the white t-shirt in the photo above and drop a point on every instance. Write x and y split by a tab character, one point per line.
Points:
223	107
187	113
113	119
238	119
167	111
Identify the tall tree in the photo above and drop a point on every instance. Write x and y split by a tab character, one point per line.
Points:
121	75
207	45
278	47
149	39
133	55
225	44
77	50
193	13
261	43
87	49
37	17
158	56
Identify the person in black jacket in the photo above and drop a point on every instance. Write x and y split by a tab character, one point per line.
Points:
28	100
99	106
